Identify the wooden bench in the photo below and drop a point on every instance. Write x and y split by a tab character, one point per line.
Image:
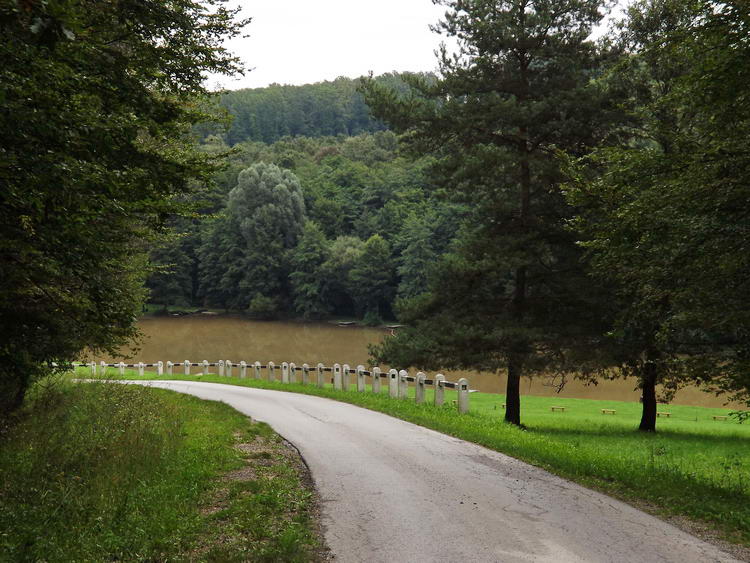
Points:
719	417
501	406
662	413
608	411
561	409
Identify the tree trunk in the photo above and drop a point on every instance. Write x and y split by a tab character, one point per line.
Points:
515	359
12	392
648	417
513	391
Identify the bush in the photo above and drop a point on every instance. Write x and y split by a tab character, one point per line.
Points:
372	319
263	308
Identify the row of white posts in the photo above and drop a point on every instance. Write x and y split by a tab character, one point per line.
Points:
398	381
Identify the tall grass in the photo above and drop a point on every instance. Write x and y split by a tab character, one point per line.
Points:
95	472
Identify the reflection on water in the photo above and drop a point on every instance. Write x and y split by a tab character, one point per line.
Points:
213	338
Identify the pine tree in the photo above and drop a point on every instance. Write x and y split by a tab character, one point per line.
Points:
514	294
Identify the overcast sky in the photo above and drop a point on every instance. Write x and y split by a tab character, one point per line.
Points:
301	41
305	41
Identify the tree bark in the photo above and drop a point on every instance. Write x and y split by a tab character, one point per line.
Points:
515	359
648	416
513	391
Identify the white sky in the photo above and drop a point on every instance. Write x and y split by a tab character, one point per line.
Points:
306	41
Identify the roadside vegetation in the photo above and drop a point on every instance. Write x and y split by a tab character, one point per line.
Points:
102	472
695	466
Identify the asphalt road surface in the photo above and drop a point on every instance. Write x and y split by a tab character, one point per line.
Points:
395	492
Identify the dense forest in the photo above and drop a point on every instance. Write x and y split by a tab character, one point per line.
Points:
308	227
546	202
323	109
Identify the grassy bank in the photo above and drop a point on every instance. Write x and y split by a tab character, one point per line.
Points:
694	466
96	472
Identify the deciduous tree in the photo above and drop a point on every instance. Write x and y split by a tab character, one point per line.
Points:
97	103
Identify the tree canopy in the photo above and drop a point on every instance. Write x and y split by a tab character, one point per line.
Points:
97	101
664	215
519	89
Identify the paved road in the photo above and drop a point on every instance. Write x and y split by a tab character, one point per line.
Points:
395	492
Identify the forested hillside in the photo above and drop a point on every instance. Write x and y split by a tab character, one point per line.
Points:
312	110
592	217
308	227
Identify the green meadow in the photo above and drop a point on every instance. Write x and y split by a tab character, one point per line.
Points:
100	472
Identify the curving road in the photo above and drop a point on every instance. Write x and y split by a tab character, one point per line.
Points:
395	492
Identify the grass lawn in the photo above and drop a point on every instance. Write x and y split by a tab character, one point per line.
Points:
100	472
692	466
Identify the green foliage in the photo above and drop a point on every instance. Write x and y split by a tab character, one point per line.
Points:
263	307
343	255
418	257
324	109
514	292
97	101
664	215
171	282
307	277
112	472
244	252
371	277
353	188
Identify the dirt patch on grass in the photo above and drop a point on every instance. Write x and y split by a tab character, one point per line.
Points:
323	552
270	464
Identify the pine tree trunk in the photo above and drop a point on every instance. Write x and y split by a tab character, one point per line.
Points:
648	416
513	391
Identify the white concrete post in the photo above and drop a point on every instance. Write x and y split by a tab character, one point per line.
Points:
284	372
92	366
228	364
439	390
292	372
122	368
103	367
141	365
271	371
463	395
345	371
221	367
376	380
419	388
256	367
337	376
392	383
187	367
243	369
305	374
160	368
321	381
403	385
170	366
205	368
360	378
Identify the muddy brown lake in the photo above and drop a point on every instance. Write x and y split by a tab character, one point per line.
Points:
219	337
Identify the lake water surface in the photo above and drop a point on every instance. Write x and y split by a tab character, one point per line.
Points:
205	337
